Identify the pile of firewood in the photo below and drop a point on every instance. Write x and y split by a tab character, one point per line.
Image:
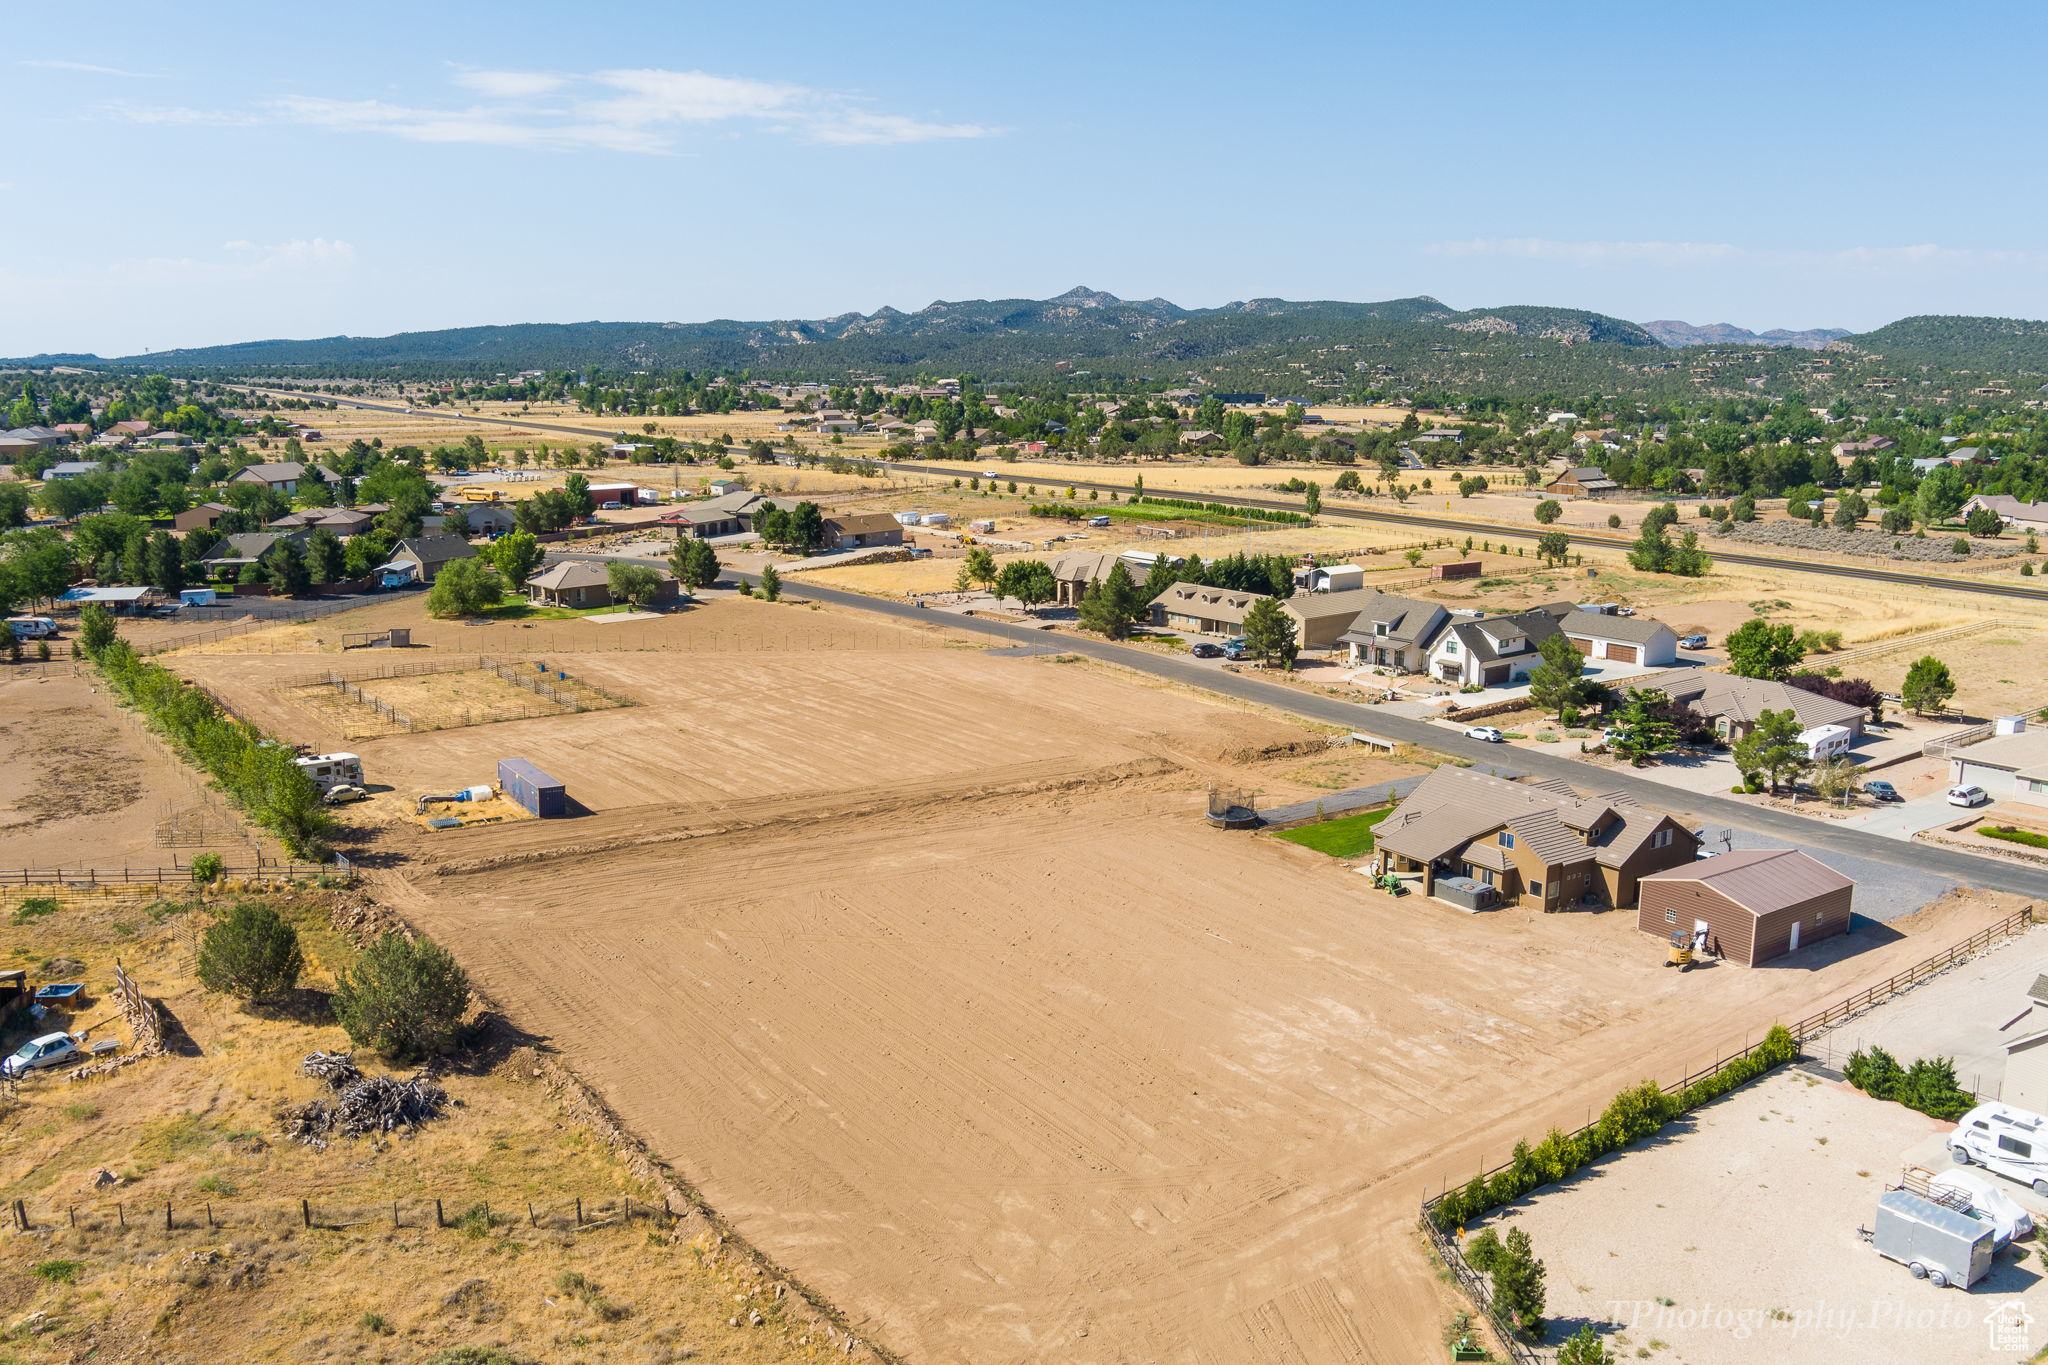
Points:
361	1104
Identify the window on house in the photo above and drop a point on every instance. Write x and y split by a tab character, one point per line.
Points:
1379	628
1671	917
1451	645
1535	887
1662	838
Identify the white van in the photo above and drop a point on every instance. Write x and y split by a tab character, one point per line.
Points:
2006	1141
31	627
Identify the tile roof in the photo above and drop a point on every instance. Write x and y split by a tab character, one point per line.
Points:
1761	880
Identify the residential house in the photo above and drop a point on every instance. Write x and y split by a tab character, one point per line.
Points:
342	521
15	448
421	558
1329	578
205	516
1617	639
1490	651
74	469
132	427
1198	440
282	475
490	519
1325	620
41	437
1395	632
247	547
1074	571
74	431
1537	843
581	584
1735	704
2011	762
1846	451
725	515
1747	906
2026	1054
1203	610
859	530
1582	481
2019	516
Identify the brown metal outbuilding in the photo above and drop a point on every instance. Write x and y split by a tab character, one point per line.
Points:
1749	906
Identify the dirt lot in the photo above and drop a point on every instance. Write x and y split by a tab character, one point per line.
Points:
1997	672
77	787
1660	1243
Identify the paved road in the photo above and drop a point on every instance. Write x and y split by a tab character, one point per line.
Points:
1331	510
1952	865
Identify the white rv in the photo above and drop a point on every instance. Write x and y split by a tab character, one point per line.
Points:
332	770
2006	1141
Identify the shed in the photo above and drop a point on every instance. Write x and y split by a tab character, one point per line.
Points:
1748	907
525	785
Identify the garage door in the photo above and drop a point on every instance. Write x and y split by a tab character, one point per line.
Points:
1583	646
1623	654
1496	674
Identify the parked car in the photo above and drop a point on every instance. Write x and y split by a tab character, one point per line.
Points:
612	506
52	1049
1696	640
344	794
1968	795
167	609
1206	651
1488	733
1987	1202
1613	733
1233	649
1624	611
1882	791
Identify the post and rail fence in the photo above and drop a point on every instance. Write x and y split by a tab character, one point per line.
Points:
1479	1288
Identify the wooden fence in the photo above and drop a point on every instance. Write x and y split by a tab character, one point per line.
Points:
178	874
116	1216
139	1012
1480	1289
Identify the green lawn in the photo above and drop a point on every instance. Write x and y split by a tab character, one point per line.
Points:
519	609
1347	836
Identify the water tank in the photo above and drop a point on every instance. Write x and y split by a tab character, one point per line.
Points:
2009	725
906	518
936	519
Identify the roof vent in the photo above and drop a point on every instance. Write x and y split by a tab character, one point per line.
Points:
2009	725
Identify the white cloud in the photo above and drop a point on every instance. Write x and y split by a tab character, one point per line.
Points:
252	262
640	110
53	64
1674	255
181	117
508	85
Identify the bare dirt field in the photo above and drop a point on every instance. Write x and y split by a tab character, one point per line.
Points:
79	788
1997	671
922	963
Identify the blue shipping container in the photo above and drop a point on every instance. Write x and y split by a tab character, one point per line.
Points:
528	786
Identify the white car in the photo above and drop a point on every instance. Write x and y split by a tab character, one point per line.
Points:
614	505
1988	1202
1971	795
52	1049
1488	733
1613	734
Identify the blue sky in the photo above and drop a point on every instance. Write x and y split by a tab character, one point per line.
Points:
215	172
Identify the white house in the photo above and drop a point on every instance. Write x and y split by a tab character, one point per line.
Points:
2012	762
1491	651
1620	639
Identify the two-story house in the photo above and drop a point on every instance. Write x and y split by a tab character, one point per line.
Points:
1537	843
1490	651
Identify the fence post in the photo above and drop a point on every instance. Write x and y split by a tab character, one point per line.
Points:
306	1212
167	1215
579	1210
440	1221
21	1215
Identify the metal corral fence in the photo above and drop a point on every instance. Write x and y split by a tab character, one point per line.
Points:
530	676
288	616
1479	1288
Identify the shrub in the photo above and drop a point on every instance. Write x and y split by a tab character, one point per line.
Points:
251	955
1614	521
58	1272
2014	836
34	908
1876	1073
206	867
1483	1252
404	997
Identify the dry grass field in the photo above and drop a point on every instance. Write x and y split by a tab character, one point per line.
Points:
238	1277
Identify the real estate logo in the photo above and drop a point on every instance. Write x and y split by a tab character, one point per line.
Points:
2008	1325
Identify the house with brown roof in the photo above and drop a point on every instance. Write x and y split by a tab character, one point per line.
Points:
1394	632
860	530
283	475
205	516
1495	841
1749	906
1074	572
2017	515
1582	481
1617	639
342	521
1736	704
1203	610
580	584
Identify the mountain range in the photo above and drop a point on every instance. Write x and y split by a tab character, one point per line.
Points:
1673	333
1415	346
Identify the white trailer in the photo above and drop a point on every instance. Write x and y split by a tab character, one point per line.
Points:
1940	1245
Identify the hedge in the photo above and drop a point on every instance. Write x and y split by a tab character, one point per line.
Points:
1631	1116
2014	836
258	773
1929	1085
1227	510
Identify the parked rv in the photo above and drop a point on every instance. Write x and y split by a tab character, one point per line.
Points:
31	627
2005	1140
332	770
